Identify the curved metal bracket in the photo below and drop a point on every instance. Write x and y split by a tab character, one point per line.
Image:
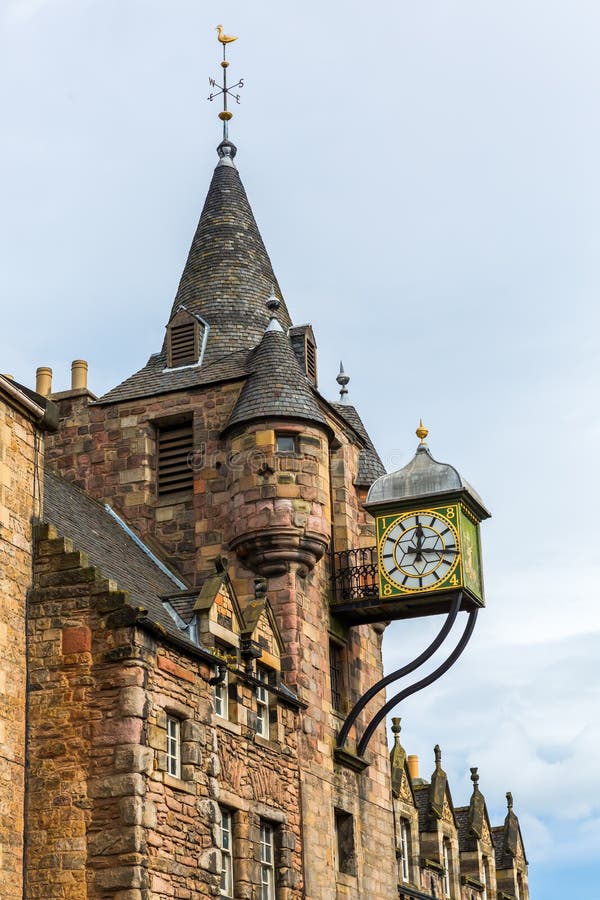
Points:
406	670
399	673
419	685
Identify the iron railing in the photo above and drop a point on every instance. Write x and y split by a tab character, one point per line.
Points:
354	575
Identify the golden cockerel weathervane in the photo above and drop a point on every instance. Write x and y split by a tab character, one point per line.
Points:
225	115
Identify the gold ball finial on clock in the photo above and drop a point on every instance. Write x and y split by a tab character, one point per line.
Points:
421	431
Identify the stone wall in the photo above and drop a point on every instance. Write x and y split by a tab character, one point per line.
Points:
106	818
19	461
255	505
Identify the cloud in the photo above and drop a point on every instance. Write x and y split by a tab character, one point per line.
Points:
526	716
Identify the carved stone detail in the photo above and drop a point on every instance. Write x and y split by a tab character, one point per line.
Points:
271	550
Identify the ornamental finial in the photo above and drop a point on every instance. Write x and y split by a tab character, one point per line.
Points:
342	379
509	800
438	756
475	778
223	90
396	729
422	432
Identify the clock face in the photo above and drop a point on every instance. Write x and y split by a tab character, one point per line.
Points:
418	550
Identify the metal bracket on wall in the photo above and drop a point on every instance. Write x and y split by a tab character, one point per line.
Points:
341	753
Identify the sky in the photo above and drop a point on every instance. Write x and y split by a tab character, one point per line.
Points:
425	178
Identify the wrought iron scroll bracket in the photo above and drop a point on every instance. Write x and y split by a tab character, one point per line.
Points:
401	673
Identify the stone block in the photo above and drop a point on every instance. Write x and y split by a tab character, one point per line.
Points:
76	639
118	877
134	701
116	786
134	759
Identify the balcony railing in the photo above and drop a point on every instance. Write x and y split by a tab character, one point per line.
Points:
354	575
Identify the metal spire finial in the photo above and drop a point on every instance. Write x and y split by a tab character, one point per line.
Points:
342	379
273	303
422	432
225	115
396	729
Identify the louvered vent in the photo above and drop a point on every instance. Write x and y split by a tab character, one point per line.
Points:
311	360
183	344
175	448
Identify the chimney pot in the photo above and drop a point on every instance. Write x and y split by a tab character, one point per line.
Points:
413	766
43	381
79	370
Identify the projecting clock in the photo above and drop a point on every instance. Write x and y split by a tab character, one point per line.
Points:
419	551
428	544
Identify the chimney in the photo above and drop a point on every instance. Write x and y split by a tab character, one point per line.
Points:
413	766
79	370
43	381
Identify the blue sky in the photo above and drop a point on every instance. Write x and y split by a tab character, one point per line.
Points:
425	177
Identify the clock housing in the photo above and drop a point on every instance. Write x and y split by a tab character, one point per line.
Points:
427	521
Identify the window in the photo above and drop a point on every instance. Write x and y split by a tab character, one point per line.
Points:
336	674
484	878
446	863
404	831
175	449
267	862
173	746
346	854
222	697
262	703
432	886
226	854
285	443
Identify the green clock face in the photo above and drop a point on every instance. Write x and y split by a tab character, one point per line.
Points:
418	551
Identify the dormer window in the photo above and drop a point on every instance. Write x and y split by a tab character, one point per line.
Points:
185	340
304	346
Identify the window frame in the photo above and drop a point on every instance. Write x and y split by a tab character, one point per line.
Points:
221	697
262	703
446	887
286	436
173	755
404	849
337	675
267	865
227	863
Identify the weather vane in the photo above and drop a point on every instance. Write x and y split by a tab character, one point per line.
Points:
224	91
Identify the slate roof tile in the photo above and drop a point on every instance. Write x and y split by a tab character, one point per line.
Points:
108	546
370	467
277	386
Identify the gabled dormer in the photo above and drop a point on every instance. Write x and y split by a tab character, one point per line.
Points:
406	814
186	339
477	856
511	861
220	619
438	834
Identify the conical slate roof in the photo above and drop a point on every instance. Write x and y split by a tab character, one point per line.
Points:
228	274
226	281
277	387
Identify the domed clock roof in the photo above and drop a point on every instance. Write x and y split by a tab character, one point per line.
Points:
422	478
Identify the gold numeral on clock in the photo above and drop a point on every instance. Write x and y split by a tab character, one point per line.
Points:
387	590
454	580
450	512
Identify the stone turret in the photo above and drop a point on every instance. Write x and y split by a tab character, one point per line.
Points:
279	491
